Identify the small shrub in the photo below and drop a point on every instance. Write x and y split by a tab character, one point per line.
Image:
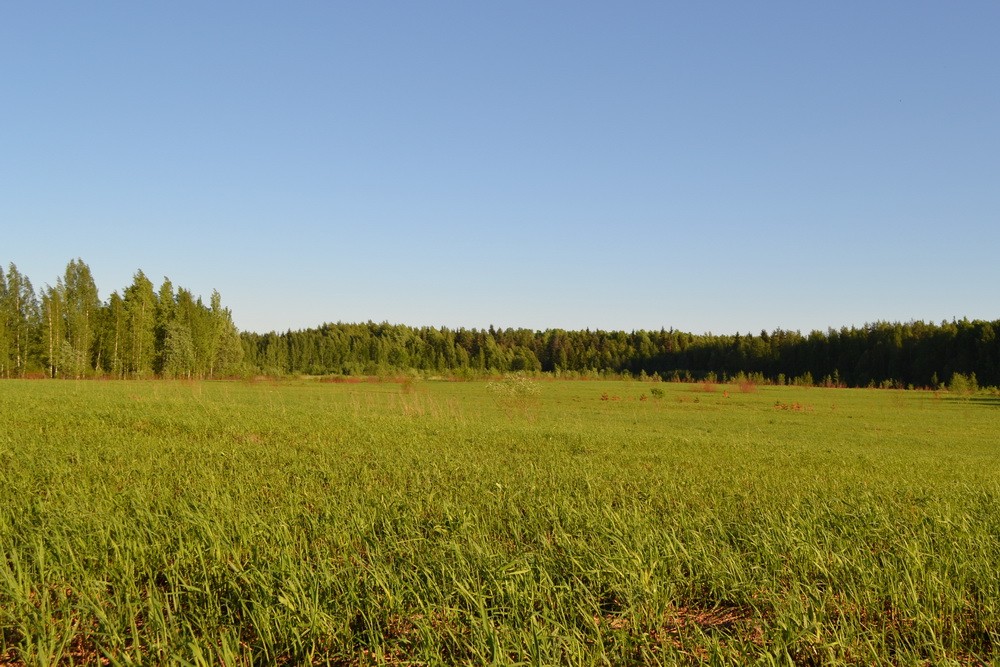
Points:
516	394
963	385
804	380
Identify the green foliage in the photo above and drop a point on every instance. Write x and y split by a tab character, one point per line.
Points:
113	336
5	365
72	334
19	311
963	385
81	310
892	354
178	351
804	380
127	336
140	329
53	327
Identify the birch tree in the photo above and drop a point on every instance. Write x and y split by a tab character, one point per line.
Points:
5	343
19	312
81	309
113	335
227	348
166	307
53	326
140	323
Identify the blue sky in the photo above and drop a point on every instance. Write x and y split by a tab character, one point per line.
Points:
704	166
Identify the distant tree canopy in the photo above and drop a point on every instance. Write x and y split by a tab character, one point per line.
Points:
916	353
67	331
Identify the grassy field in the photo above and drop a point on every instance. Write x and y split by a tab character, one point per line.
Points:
574	523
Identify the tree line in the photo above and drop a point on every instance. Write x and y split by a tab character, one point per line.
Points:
881	354
67	331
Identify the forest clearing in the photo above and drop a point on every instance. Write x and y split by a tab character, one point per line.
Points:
518	521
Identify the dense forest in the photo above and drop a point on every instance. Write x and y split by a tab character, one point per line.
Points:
67	331
881	354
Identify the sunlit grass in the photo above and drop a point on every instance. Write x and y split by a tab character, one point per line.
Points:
451	523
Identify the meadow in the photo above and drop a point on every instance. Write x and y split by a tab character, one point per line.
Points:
513	522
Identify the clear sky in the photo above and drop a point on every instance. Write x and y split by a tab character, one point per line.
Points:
704	166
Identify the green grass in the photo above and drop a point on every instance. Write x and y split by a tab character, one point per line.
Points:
452	523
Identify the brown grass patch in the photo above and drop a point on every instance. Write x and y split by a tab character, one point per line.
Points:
343	379
792	407
678	624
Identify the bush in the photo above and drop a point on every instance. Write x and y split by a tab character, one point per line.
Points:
804	380
963	385
517	394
